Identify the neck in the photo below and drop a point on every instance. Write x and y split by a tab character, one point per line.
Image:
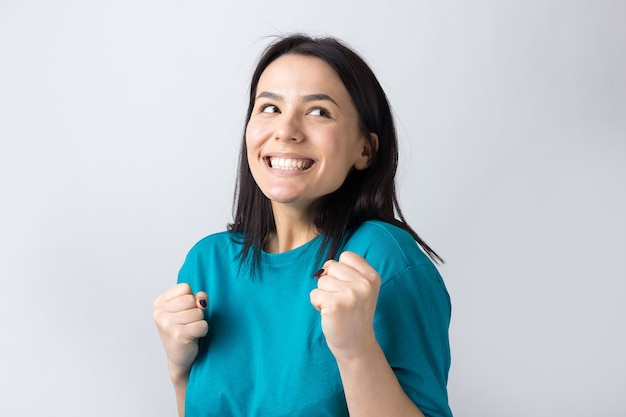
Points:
293	229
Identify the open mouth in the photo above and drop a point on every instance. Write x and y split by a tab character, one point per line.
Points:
289	164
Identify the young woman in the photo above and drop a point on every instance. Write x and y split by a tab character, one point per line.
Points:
317	300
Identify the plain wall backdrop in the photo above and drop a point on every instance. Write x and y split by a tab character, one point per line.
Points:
120	124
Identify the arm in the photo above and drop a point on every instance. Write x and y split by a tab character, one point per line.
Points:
346	298
179	317
371	387
180	388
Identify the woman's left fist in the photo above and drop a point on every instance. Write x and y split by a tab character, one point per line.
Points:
346	295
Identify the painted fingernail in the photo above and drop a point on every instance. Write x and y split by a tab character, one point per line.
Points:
318	273
203	303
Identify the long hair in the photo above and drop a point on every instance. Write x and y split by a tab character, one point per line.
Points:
368	194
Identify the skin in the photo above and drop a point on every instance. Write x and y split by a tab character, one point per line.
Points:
178	314
303	112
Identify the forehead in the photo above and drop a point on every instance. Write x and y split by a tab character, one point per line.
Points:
301	74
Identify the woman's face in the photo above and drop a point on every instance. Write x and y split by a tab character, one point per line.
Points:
303	136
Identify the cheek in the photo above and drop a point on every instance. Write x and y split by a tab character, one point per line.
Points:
344	147
256	131
254	144
249	133
252	139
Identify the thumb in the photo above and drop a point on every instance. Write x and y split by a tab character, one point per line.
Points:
202	300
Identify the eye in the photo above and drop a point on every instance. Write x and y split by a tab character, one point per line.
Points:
320	111
269	108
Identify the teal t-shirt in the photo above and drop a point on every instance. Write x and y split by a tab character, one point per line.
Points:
265	353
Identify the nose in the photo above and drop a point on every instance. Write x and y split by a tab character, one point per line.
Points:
288	128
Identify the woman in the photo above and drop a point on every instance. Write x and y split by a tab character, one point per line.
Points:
317	301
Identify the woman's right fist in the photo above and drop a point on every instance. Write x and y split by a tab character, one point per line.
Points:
179	317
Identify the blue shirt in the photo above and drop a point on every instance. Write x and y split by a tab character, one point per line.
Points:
265	353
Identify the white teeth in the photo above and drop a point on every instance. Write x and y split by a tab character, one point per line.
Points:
289	164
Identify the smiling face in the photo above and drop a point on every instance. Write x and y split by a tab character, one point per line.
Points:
303	137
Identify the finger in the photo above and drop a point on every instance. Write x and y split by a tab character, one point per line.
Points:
354	260
329	283
341	271
180	303
358	263
171	293
173	324
202	300
325	301
348	284
197	329
186	332
167	320
317	298
176	291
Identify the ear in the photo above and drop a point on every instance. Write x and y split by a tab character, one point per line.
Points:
370	147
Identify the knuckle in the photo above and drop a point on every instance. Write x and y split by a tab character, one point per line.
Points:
372	276
204	328
177	333
198	315
188	299
167	321
350	298
156	315
345	255
363	287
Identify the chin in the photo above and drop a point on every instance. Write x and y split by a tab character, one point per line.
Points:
281	194
291	199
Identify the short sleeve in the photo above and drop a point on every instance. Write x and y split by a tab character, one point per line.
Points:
188	273
194	269
411	325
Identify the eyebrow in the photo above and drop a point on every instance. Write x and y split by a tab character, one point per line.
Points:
307	98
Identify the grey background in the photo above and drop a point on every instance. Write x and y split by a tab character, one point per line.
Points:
120	123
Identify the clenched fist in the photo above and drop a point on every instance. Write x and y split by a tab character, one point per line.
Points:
346	296
179	316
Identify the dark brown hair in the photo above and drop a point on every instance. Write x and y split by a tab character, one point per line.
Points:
368	194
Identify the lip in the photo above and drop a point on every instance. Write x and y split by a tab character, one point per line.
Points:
287	155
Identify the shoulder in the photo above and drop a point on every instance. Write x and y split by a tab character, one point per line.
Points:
387	232
387	248
216	252
375	236
216	244
215	239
